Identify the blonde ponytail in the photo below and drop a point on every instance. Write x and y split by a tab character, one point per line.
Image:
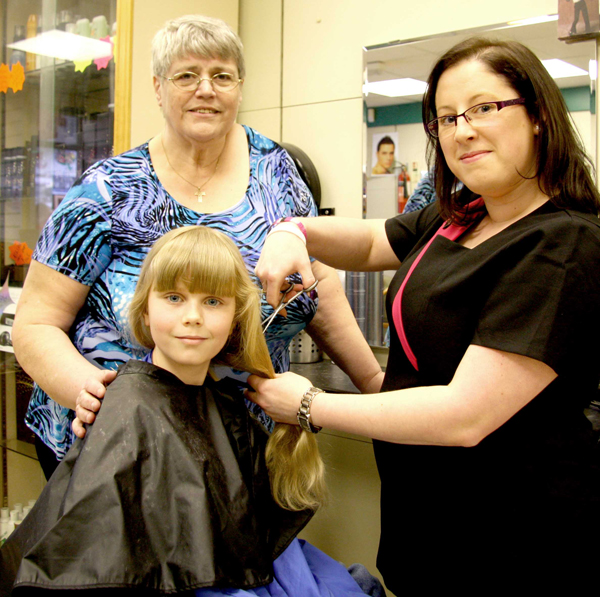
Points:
296	468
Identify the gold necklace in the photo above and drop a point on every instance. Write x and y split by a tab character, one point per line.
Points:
199	192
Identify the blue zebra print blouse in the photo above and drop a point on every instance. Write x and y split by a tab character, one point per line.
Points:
105	226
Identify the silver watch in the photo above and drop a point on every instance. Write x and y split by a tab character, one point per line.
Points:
304	410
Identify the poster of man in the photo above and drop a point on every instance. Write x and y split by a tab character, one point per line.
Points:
578	19
384	153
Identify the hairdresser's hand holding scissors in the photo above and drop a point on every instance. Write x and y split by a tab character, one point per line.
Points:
286	300
341	243
286	239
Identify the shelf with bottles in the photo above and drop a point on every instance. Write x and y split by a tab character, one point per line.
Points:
80	141
11	518
72	33
89	89
82	133
58	123
67	29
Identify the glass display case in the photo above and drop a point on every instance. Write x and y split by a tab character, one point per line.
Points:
57	90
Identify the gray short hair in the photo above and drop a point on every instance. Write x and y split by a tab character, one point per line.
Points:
196	35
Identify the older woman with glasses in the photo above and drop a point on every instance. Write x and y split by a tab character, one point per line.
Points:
489	467
202	169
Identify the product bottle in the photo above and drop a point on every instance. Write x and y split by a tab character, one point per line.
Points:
4	522
415	175
64	18
13	522
403	190
401	197
31	32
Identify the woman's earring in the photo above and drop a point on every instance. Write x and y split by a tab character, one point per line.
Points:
536	129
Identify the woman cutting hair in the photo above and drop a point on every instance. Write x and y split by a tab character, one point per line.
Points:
489	467
202	169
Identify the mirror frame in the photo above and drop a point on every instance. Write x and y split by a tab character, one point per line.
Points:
122	124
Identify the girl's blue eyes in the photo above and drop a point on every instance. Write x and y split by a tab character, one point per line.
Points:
211	302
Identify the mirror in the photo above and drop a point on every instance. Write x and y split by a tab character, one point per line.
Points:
394	171
395	124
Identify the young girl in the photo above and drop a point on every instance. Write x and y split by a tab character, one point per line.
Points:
175	487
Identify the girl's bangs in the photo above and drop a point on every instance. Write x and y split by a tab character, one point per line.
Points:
201	267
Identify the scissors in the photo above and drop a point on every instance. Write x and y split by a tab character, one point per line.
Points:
283	303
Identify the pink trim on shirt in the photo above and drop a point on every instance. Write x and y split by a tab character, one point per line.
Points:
452	232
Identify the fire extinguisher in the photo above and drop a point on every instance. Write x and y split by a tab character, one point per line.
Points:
403	193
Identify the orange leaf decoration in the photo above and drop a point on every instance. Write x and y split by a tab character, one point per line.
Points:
20	253
4	78
17	77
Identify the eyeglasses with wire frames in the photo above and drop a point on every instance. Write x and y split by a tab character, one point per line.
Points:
475	115
188	81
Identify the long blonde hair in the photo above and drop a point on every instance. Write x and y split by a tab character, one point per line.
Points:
206	260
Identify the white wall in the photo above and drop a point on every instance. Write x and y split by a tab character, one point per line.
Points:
261	32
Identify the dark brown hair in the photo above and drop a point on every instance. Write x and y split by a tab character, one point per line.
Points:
564	171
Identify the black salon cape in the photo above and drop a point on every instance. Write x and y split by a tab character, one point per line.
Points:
168	491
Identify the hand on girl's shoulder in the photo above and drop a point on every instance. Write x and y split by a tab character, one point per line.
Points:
88	400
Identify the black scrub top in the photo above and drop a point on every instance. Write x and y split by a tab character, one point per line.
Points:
532	289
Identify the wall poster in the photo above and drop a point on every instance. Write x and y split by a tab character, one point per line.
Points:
384	154
578	20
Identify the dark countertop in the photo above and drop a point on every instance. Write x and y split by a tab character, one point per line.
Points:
326	375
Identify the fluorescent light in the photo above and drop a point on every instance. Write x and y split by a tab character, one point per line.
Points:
65	46
396	87
534	20
593	69
559	69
